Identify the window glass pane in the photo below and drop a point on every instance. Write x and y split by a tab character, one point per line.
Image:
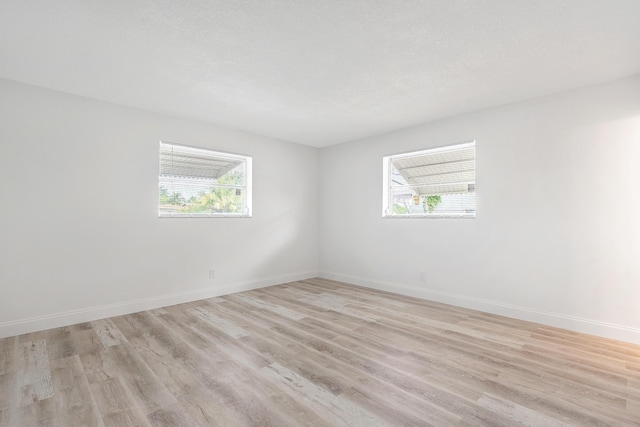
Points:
198	182
438	182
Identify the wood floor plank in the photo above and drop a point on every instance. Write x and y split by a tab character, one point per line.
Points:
9	391
148	391
274	308
338	411
34	375
116	403
39	413
108	333
316	353
8	347
75	405
195	398
220	323
66	341
519	414
183	324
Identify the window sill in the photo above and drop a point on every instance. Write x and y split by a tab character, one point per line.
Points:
204	216
431	216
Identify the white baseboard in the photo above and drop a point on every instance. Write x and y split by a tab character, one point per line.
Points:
33	324
587	326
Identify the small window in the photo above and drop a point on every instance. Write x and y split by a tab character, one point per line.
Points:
195	182
431	183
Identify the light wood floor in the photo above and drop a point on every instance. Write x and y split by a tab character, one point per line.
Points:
316	353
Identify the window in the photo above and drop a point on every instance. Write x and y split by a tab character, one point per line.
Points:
432	183
195	182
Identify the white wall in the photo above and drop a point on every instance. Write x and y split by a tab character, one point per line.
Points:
557	234
556	238
79	232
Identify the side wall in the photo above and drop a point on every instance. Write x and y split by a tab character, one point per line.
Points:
557	234
79	233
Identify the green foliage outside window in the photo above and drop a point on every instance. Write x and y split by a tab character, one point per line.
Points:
217	200
429	203
399	209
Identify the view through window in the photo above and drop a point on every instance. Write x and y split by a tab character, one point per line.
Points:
195	182
439	182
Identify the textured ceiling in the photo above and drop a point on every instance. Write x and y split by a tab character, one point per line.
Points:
317	72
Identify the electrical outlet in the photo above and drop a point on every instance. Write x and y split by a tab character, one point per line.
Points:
212	273
423	276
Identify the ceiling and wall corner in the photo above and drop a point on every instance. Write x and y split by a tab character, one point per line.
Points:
317	73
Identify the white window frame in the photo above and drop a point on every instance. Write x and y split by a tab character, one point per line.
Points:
387	182
246	187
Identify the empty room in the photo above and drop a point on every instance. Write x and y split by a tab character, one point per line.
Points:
320	213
